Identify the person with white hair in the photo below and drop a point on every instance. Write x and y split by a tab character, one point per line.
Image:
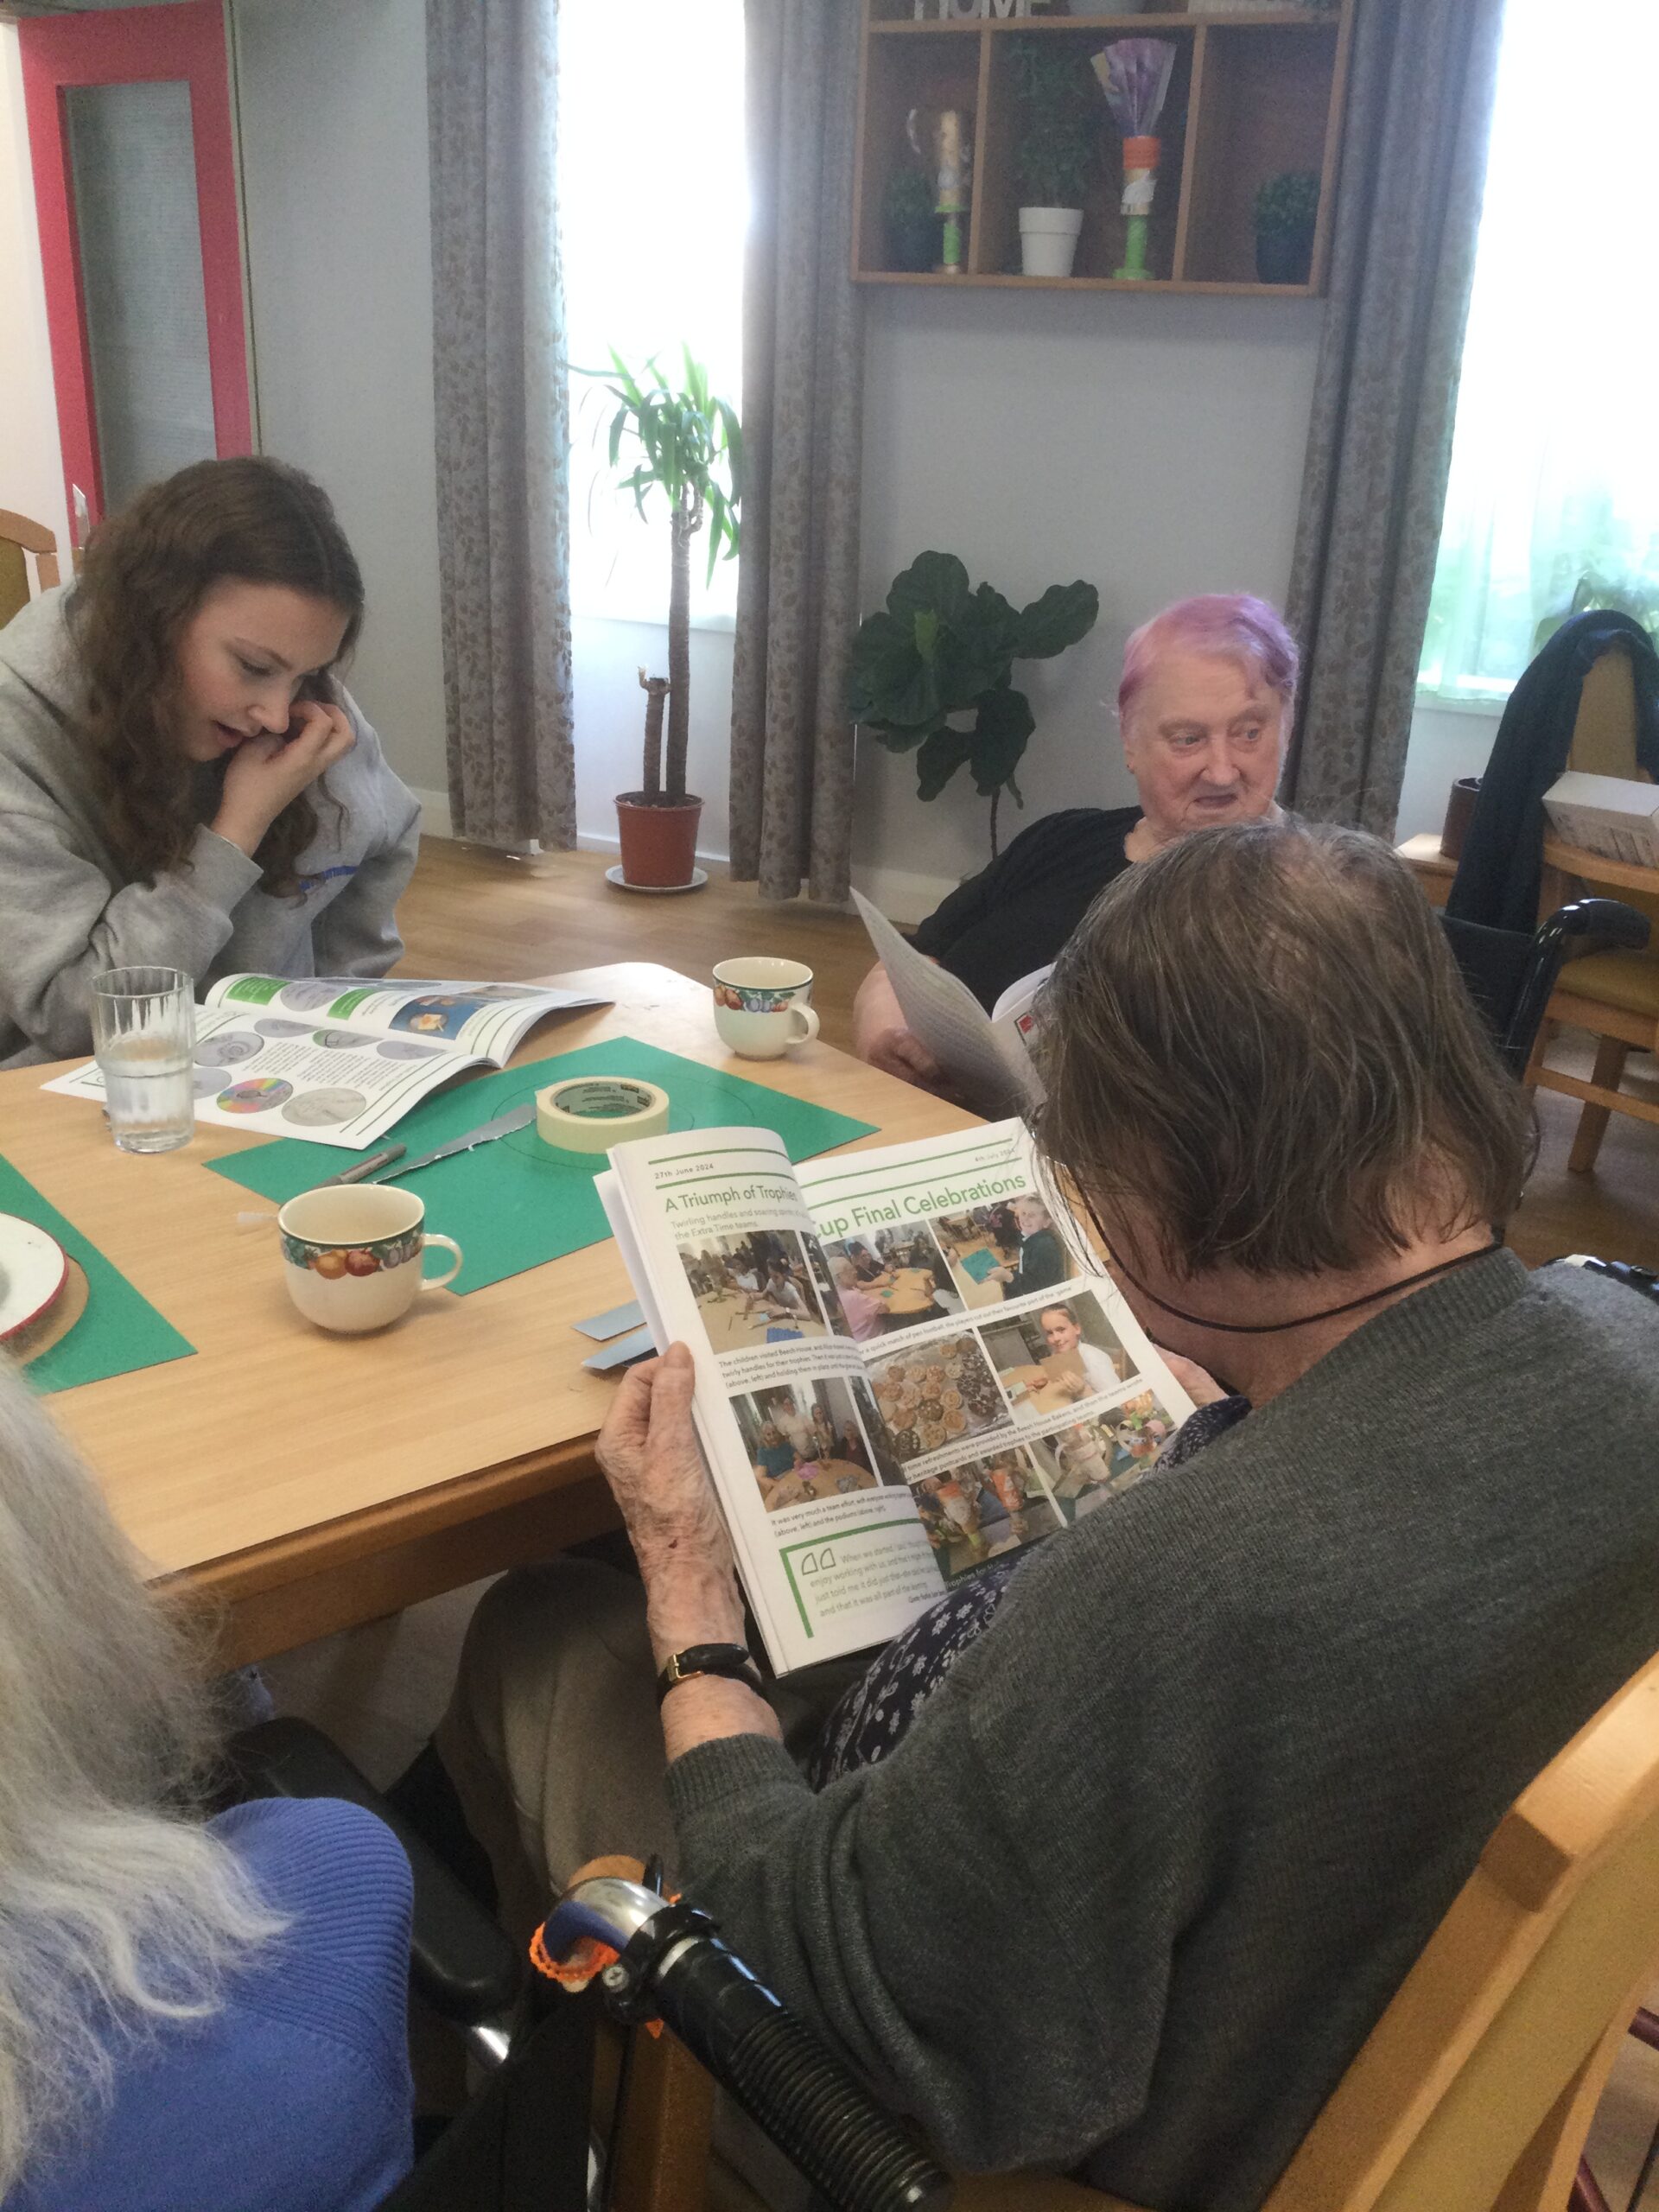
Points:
193	2011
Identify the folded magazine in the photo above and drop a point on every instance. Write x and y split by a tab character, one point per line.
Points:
904	1367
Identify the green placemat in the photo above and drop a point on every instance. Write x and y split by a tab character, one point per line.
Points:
119	1330
515	1203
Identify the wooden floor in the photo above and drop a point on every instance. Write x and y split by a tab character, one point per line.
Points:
474	912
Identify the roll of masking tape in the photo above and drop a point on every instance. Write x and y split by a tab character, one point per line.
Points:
590	1113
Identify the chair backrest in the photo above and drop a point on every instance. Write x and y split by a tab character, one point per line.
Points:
1496	966
19	537
1603	733
1474	2091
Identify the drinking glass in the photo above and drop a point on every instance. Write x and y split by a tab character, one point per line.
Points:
144	1035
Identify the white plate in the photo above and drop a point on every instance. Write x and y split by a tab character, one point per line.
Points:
699	877
33	1269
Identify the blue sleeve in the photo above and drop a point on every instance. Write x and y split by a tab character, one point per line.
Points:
341	1970
296	2091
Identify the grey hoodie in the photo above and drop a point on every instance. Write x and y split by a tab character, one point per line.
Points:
66	913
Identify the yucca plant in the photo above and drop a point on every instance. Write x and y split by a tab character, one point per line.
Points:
690	448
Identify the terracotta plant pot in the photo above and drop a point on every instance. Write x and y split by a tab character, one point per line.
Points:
659	840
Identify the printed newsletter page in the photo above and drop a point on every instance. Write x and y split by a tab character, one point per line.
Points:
1016	1391
823	1521
489	1019
272	1075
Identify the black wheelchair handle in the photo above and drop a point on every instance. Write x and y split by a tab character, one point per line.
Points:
672	1962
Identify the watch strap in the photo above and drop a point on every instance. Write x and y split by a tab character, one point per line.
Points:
731	1660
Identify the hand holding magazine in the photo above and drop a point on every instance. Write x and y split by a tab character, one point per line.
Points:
988	1056
338	1060
902	1369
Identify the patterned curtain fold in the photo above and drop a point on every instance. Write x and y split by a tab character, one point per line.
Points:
792	794
502	427
1419	106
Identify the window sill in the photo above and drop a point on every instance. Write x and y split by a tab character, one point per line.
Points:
1441	703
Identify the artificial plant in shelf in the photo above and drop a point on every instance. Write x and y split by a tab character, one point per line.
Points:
690	447
1287	214
1056	152
942	650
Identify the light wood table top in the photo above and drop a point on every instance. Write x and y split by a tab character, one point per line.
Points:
308	1481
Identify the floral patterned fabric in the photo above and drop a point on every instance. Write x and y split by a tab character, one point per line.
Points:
791	802
875	1712
503	426
1419	105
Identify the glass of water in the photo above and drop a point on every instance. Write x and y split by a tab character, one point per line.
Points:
144	1035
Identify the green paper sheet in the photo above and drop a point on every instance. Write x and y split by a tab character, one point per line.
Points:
120	1329
514	1203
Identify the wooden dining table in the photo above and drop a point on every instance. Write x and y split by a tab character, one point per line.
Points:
301	1482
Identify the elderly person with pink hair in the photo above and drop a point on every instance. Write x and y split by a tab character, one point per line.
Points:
1205	707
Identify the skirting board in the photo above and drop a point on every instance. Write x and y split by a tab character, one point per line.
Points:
435	813
903	897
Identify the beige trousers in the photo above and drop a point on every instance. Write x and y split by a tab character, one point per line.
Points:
552	1738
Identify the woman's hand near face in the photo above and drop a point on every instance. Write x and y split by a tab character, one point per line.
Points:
266	773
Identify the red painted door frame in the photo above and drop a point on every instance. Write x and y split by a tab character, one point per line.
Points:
127	46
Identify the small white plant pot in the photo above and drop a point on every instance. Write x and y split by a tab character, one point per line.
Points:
1048	240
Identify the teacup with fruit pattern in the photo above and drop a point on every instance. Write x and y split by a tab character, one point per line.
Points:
352	1255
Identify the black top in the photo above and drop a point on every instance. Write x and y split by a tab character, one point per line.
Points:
1016	914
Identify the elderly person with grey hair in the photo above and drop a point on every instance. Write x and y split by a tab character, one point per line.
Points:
192	2011
1208	1768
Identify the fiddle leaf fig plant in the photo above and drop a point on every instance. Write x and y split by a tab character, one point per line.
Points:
943	651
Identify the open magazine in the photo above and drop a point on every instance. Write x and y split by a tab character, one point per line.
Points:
903	1370
337	1060
988	1055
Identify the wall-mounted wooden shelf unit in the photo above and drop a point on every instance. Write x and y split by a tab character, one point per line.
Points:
1251	96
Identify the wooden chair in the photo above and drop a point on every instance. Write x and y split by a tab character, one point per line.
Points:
1474	2091
19	537
1615	995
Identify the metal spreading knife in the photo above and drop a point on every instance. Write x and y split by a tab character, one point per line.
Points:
485	1133
364	1169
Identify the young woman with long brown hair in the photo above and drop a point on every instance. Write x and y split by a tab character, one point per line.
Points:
183	781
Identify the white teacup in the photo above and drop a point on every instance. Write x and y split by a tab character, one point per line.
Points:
760	1007
352	1254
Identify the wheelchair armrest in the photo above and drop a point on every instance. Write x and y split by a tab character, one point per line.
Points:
464	1965
1609	921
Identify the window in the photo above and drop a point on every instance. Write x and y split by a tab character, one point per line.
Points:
653	202
1555	482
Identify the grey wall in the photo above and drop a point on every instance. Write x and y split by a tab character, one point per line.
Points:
332	103
1152	445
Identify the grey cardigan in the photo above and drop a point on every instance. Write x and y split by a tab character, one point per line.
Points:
66	913
1156	1853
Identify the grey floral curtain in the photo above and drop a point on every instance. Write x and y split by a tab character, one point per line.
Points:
502	419
1414	163
791	801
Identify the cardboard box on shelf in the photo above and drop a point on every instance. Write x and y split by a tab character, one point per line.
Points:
1609	816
